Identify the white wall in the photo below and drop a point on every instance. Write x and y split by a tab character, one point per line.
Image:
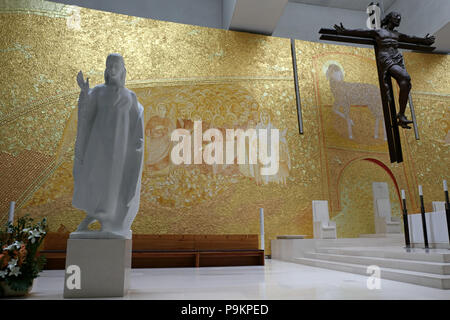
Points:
206	13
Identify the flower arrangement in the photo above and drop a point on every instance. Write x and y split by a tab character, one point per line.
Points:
19	263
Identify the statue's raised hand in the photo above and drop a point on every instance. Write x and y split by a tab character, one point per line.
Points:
339	28
428	40
84	85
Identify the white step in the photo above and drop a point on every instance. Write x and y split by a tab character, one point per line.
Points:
359	242
419	278
433	255
399	236
411	265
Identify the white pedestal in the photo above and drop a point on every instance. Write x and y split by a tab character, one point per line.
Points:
104	268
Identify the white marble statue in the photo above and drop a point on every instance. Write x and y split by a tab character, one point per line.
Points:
109	153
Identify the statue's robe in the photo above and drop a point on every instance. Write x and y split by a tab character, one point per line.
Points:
109	156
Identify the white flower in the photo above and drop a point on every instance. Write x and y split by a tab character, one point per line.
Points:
34	234
12	264
26	230
3	274
15	271
15	245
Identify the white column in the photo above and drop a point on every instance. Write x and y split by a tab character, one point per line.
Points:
261	227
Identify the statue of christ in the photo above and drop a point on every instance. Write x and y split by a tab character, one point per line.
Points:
108	154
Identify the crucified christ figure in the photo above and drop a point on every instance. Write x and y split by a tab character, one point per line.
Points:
389	58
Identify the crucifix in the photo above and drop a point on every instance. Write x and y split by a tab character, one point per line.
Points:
390	64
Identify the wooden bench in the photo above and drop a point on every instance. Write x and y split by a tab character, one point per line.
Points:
165	251
54	249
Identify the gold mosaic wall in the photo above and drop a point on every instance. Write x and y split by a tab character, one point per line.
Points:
228	79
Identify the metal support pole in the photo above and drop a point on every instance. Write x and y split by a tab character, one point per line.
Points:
405	221
297	91
447	209
413	117
424	221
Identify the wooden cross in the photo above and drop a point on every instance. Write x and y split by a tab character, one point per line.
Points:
387	96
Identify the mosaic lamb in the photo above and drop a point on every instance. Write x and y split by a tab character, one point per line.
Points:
347	94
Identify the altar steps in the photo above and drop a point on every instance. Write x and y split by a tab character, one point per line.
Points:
391	252
430	269
398	236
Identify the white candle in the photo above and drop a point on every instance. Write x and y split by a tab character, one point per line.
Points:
445	185
11	212
420	191
403	194
261	226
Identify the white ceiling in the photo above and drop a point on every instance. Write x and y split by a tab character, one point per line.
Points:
443	39
296	21
359	5
259	16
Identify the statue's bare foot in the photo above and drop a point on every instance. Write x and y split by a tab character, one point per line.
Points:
85	224
403	121
107	224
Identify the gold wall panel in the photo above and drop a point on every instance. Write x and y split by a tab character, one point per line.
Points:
183	73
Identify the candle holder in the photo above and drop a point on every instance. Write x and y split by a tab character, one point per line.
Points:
261	227
424	221
447	209
405	221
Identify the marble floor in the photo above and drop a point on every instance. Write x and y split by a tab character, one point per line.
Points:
276	280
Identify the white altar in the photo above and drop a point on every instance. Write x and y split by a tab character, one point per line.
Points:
436	229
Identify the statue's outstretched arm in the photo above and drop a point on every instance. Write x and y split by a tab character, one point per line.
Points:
427	40
354	32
